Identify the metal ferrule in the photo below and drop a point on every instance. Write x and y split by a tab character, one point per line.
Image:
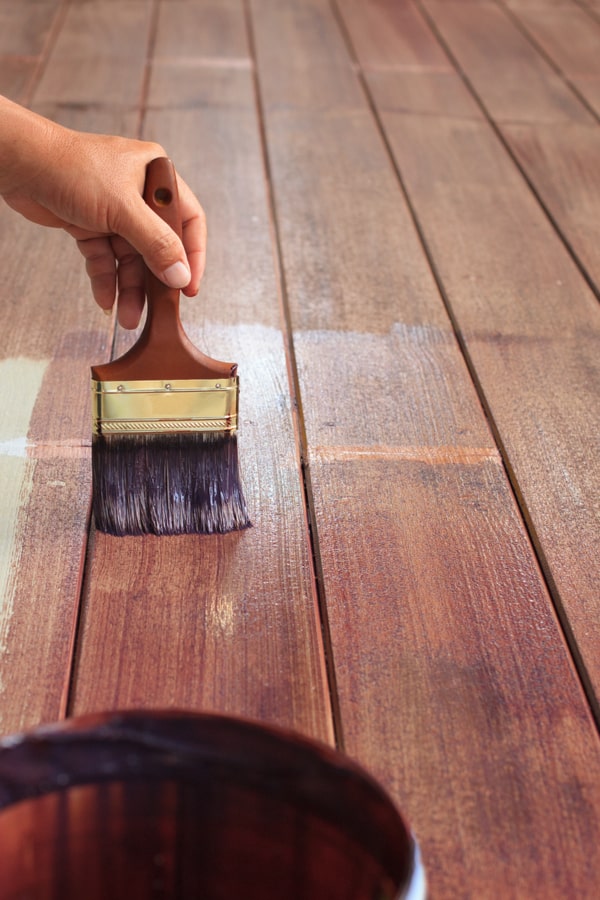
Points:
162	407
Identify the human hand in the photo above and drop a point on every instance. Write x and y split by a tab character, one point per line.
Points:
91	185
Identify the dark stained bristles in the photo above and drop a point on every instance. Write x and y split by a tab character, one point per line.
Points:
179	483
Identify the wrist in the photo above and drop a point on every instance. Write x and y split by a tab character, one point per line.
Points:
28	145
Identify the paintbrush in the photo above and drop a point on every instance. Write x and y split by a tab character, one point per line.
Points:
164	444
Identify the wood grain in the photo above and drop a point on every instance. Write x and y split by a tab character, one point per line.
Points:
558	155
514	81
226	622
564	166
392	34
572	41
46	457
454	682
52	328
201	32
454	685
99	55
24	34
23	42
541	322
432	587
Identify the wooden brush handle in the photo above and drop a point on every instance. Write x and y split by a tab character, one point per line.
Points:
163	350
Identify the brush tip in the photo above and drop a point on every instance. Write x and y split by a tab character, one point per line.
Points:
167	484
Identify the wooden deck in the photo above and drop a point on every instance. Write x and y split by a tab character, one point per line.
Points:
404	213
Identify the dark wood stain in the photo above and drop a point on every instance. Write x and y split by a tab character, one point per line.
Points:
402	201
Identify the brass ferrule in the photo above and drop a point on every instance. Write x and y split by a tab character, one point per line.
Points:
162	407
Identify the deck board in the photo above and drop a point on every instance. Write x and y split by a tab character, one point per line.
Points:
402	199
435	618
80	71
515	82
227	623
541	329
23	44
44	467
570	37
553	134
420	539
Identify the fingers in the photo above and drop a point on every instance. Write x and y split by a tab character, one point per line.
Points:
162	250
112	263
100	265
115	261
131	283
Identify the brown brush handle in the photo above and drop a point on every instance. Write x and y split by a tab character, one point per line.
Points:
163	350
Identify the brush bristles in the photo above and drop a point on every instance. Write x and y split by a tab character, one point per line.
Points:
167	484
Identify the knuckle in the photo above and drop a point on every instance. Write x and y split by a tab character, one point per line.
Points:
163	247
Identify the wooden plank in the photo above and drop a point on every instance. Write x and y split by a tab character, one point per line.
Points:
393	34
433	591
228	622
559	157
44	463
15	75
99	46
51	334
526	317
572	41
24	32
454	688
514	81
201	32
564	166
23	38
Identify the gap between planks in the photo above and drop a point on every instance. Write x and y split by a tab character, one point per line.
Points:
301	442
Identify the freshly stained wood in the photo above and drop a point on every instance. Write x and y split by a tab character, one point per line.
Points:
23	40
222	622
555	137
528	320
44	465
23	33
514	81
454	685
571	38
563	163
433	591
99	55
444	606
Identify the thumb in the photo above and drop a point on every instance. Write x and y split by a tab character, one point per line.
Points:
161	248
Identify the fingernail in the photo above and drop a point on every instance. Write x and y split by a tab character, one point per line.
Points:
107	312
177	276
